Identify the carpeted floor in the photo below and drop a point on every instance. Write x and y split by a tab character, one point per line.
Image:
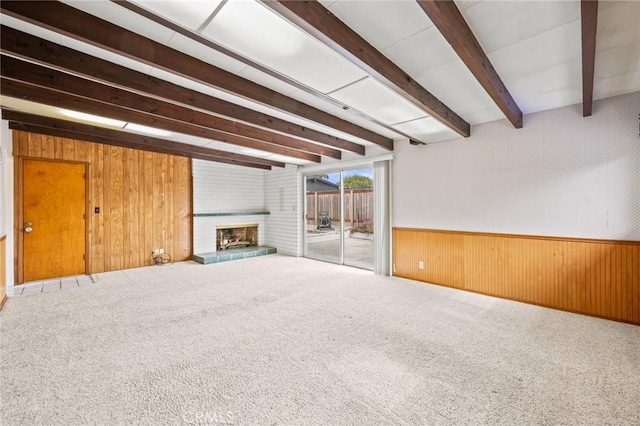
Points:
281	340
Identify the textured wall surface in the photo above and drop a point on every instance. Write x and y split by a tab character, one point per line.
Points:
282	191
561	175
223	188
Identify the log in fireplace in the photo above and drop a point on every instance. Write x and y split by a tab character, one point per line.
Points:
236	236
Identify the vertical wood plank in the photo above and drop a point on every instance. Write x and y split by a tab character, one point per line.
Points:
82	151
175	249
126	198
142	245
619	275
592	265
68	149
182	206
585	285
606	279
20	144
97	195
168	217
116	204
106	191
601	274
89	213
58	148
158	201
149	197
627	257
134	228
48	147
34	145
574	297
635	285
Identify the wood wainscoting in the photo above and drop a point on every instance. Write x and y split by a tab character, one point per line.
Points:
593	277
144	200
3	270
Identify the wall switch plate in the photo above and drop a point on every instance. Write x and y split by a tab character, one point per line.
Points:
421	265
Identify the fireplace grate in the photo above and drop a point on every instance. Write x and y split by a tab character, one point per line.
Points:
236	236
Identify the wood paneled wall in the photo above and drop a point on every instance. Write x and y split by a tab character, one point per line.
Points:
592	277
145	199
3	271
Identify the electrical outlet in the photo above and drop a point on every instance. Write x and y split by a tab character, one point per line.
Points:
421	265
160	251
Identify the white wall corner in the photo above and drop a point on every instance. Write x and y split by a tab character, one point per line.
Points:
6	197
283	197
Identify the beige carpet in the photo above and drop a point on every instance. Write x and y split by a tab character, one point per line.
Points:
280	340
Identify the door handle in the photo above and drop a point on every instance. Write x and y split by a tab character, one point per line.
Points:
27	227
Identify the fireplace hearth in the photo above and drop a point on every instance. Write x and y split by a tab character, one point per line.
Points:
236	236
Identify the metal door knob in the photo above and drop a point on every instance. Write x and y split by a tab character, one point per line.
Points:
27	227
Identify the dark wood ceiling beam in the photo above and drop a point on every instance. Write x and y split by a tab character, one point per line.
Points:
446	16
16	69
589	18
319	22
26	46
82	26
14	125
47	96
169	146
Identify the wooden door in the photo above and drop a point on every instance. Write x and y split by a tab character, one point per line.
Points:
54	219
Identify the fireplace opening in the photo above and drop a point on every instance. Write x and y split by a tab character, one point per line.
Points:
236	236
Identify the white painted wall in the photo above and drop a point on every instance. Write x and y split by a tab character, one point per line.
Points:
5	153
6	196
282	192
560	175
223	188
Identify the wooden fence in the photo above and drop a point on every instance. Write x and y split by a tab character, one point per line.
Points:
358	206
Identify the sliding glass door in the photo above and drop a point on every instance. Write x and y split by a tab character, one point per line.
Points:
339	217
358	217
323	213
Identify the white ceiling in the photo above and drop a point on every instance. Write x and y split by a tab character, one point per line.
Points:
534	46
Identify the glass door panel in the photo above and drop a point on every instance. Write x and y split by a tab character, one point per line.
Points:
358	217
323	218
